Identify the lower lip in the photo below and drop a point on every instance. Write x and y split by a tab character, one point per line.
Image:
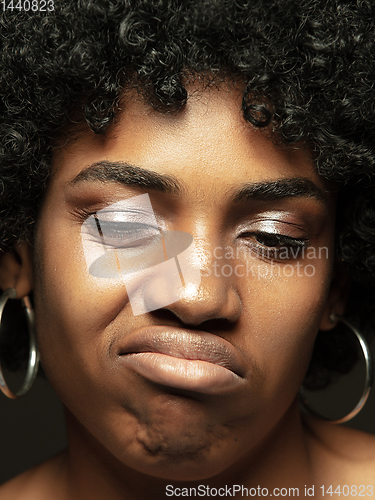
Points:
189	374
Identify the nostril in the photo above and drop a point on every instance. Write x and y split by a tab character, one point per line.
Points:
223	305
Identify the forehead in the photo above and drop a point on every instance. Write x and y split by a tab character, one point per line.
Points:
208	142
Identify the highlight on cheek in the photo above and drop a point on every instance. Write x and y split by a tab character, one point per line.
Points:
124	242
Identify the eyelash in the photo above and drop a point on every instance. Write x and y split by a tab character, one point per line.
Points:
279	243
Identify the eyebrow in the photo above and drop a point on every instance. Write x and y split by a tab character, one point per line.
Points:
279	189
131	175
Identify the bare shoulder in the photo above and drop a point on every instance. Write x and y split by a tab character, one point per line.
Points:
36	483
341	453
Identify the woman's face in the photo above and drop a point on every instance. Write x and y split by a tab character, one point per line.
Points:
262	225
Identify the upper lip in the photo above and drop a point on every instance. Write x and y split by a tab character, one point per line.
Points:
186	344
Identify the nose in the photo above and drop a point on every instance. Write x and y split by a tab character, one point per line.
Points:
213	295
190	283
215	298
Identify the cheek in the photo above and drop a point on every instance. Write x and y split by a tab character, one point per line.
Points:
281	317
73	311
72	308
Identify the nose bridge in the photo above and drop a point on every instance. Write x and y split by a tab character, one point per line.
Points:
216	260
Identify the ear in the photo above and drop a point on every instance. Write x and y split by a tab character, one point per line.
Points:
337	297
16	270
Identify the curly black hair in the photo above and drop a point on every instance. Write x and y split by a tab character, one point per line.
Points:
309	73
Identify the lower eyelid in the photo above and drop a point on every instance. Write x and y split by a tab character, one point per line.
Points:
283	252
282	239
279	255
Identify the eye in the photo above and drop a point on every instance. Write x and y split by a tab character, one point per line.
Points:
272	246
276	240
121	234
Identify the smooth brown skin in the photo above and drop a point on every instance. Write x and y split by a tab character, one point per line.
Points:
129	438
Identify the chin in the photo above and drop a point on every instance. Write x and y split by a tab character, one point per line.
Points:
180	442
181	462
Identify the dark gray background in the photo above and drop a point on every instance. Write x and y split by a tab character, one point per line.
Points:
32	427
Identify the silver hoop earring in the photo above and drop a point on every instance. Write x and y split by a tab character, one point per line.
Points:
368	380
33	364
